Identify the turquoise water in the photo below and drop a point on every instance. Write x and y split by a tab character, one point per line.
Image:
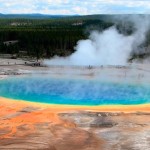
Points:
74	91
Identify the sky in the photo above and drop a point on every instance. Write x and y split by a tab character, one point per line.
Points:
72	7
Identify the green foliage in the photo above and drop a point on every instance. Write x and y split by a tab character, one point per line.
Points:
47	37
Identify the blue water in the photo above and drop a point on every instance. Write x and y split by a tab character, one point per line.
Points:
74	91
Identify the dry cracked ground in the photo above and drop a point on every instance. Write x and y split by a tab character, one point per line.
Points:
35	128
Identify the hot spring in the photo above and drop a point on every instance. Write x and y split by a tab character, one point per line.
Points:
74	91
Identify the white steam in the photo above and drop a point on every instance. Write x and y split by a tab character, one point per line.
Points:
106	48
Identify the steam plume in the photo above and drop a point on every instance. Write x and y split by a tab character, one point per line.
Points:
109	47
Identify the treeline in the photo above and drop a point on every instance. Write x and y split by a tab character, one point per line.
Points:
40	43
45	37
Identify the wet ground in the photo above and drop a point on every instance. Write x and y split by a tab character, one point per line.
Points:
28	127
120	131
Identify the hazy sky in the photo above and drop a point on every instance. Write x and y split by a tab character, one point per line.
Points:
69	7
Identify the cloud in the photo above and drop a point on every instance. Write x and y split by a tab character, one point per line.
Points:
69	7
